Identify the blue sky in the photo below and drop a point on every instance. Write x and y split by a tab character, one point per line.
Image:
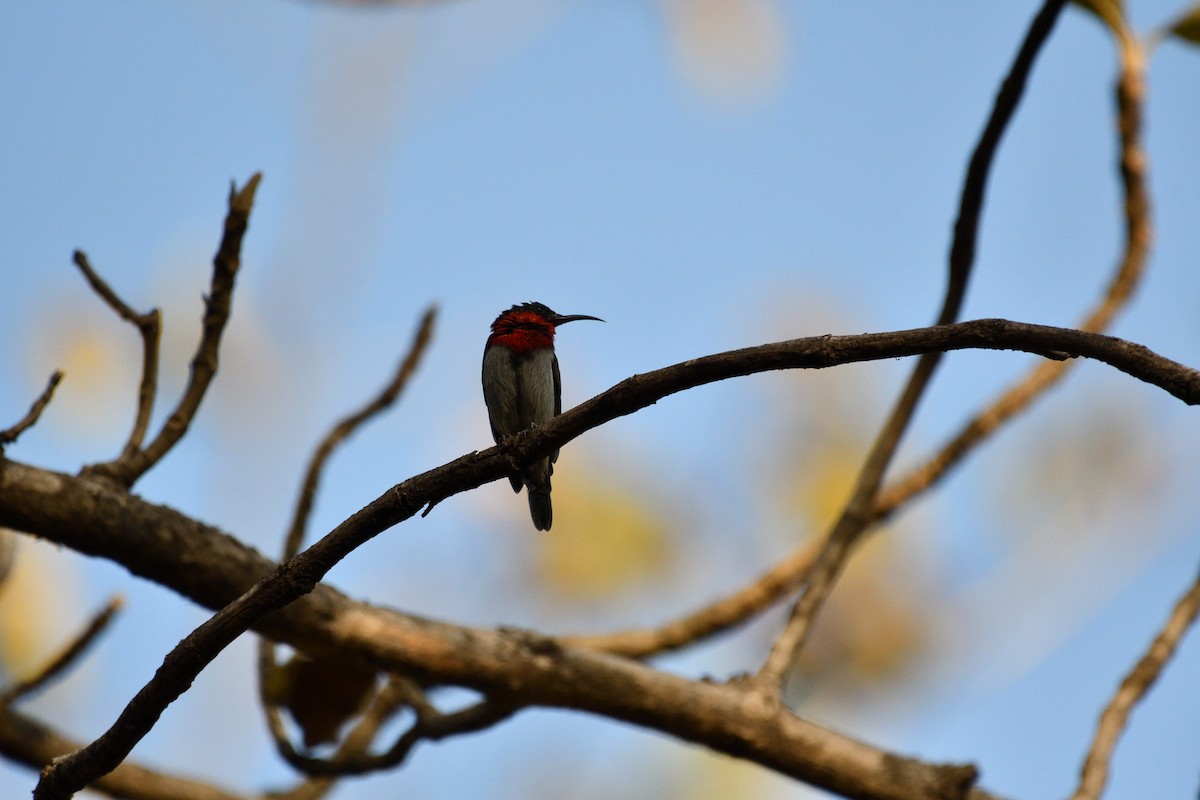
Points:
596	157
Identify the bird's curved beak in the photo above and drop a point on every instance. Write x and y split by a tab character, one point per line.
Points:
563	319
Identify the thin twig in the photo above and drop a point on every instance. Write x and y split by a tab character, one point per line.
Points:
149	325
1133	688
733	609
351	423
10	435
856	515
431	726
126	470
69	655
395	696
340	432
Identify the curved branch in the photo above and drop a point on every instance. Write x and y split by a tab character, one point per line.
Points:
267	661
351	423
149	325
856	515
301	574
714	618
1130	94
788	574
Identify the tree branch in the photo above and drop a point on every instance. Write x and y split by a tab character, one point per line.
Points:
69	655
712	619
431	725
349	424
856	514
149	325
789	573
211	567
300	574
11	434
340	432
132	465
1130	94
29	742
1133	688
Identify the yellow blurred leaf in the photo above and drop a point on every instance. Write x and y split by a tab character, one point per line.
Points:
37	600
100	356
604	539
874	626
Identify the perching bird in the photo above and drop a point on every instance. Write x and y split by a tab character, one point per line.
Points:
521	387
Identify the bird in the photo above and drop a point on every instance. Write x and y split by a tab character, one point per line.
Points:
522	388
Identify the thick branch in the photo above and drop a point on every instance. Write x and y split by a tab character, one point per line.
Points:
301	574
211	567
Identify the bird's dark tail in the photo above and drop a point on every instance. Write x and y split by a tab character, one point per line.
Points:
539	506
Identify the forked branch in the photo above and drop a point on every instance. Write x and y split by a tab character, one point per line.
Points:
136	460
149	325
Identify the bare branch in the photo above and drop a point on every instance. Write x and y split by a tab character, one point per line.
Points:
209	565
1133	688
300	574
267	661
26	741
351	423
132	465
149	325
431	725
10	435
714	618
393	698
856	515
69	655
1130	95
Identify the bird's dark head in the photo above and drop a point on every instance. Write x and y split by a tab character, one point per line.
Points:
534	314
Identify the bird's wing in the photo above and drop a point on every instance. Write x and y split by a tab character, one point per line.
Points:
557	396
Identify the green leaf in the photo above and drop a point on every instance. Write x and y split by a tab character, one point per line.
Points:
1110	12
1187	27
